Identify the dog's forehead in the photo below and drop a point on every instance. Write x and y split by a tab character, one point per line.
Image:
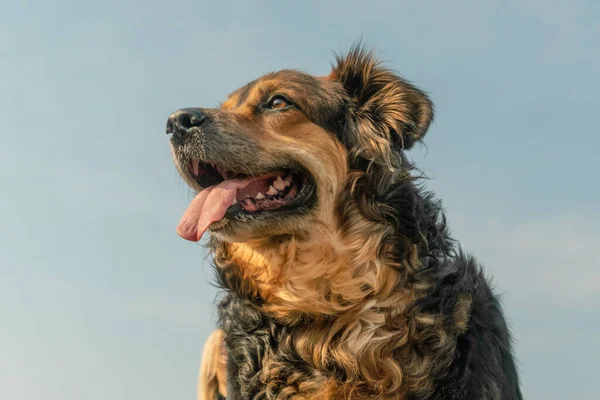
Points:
286	81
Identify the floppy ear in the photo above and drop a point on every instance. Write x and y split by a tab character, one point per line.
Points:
384	112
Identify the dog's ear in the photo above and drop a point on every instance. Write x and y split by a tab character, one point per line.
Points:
384	112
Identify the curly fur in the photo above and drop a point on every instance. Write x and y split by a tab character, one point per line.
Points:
374	299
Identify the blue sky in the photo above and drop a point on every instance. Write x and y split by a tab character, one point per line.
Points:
100	299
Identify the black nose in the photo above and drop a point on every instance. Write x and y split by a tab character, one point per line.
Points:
181	121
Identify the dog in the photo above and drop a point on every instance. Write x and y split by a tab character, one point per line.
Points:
340	277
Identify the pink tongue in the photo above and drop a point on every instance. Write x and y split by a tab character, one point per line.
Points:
209	206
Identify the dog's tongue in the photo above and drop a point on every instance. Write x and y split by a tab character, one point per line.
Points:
209	206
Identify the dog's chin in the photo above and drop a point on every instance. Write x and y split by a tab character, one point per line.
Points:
277	201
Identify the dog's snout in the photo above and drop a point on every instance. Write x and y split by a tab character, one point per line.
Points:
181	121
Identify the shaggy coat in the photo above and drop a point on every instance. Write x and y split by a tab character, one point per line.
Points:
360	292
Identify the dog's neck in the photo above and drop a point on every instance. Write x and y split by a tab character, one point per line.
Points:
325	274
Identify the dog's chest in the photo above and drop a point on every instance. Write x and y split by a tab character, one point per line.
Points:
262	360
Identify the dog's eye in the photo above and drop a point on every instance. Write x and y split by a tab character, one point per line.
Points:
278	103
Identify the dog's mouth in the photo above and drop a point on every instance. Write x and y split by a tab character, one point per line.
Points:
228	194
263	193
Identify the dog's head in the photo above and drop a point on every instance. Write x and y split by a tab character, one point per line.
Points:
278	156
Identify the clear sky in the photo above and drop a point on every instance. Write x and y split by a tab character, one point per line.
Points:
100	299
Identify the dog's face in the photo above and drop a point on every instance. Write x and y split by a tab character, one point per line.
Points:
266	153
275	157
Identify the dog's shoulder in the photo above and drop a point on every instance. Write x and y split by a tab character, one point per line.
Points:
483	365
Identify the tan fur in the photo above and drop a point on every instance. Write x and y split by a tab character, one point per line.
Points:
213	368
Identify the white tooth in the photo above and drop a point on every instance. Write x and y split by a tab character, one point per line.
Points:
260	196
279	183
196	166
234	201
272	191
288	180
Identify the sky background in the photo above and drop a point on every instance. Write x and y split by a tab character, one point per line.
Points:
100	299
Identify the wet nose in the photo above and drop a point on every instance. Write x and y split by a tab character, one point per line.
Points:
181	121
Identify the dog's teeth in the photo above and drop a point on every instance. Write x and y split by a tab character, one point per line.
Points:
272	191
279	184
260	196
234	201
288	180
196	166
